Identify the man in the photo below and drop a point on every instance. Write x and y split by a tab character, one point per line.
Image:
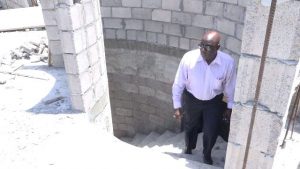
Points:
205	74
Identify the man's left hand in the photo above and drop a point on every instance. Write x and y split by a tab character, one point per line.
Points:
227	114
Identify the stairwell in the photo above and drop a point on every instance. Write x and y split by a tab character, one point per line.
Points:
173	144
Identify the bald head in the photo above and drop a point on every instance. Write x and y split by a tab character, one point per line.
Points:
209	45
212	36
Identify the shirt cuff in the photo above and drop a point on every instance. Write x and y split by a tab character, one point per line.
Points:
229	105
176	104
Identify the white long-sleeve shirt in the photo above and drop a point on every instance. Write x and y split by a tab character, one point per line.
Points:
205	81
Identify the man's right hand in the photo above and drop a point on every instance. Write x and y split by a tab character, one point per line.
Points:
177	114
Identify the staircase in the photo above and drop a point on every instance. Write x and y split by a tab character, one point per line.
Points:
173	144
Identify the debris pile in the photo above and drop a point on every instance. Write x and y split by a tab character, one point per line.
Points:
32	52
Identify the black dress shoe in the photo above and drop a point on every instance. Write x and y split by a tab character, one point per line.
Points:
207	160
188	151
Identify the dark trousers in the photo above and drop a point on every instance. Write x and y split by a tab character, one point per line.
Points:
202	116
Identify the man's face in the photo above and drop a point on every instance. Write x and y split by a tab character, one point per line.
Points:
208	50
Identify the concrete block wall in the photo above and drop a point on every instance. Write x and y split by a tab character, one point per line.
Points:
277	88
167	25
76	29
175	23
140	79
10	4
51	18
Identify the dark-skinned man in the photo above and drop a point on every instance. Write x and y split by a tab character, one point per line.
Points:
206	74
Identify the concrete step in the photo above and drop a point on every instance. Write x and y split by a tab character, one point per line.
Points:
150	138
160	140
126	139
138	138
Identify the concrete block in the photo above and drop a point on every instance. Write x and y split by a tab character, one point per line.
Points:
256	159
181	18
53	33
111	3
161	15
70	18
105	12
99	30
194	44
236	153
193	6
89	13
124	112
50	17
112	23
229	1
73	42
284	28
266	131
93	54
47	4
172	29
55	47
153	26
95	71
132	3
109	34
162	39
214	8
225	26
97	9
277	102
239	31
171	4
131	35
235	13
79	84
119	12
243	3
141	36
64	2
121	34
76	64
160	95
174	41
99	90
233	44
88	100
203	21
151	37
90	33
57	61
184	43
134	24
146	91
151	4
141	13
77	102
129	87
193	32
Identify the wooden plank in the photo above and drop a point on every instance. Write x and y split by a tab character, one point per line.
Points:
21	18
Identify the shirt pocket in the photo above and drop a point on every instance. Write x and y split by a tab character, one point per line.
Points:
217	83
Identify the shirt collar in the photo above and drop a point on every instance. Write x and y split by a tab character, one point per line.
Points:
217	60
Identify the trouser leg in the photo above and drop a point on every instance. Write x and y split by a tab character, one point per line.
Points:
191	123
211	121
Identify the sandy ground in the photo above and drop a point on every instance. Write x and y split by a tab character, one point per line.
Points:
28	124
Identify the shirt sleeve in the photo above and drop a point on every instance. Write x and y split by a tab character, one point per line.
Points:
230	85
179	84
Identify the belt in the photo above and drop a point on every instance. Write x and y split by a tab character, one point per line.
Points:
215	99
